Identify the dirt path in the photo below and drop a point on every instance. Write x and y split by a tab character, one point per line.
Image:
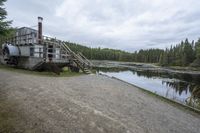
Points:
86	104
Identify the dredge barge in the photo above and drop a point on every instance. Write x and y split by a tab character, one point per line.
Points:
29	49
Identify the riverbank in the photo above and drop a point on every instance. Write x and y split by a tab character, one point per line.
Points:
86	103
145	66
180	104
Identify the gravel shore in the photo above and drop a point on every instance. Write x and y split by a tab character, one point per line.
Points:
86	104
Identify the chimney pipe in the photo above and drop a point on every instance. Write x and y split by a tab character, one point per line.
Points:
40	19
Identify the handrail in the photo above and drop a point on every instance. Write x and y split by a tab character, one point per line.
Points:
89	62
17	39
76	56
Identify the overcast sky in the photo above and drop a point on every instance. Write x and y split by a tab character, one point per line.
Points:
121	24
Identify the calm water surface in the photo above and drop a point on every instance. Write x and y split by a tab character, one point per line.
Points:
184	88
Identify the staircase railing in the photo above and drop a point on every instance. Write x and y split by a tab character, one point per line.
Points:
81	61
76	56
88	61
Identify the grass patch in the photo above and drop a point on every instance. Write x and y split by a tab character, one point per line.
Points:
43	73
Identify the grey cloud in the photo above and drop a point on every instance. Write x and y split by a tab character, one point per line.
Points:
123	24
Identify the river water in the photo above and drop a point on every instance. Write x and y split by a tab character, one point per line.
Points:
183	88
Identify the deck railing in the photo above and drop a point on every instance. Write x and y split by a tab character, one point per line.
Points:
21	39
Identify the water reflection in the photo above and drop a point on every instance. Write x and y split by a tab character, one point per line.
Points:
192	78
182	83
194	99
185	86
193	89
178	86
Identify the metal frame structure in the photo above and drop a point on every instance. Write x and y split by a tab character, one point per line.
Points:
33	51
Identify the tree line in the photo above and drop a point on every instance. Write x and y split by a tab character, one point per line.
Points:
5	29
184	54
148	56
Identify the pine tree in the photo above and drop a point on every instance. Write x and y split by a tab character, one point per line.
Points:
197	49
196	62
4	24
161	59
188	54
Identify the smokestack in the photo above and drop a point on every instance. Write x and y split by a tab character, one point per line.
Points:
40	19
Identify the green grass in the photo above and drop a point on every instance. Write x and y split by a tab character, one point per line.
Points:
65	73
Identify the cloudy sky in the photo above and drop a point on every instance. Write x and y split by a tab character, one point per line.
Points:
122	24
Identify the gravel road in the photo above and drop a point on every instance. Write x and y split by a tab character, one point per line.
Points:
86	104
